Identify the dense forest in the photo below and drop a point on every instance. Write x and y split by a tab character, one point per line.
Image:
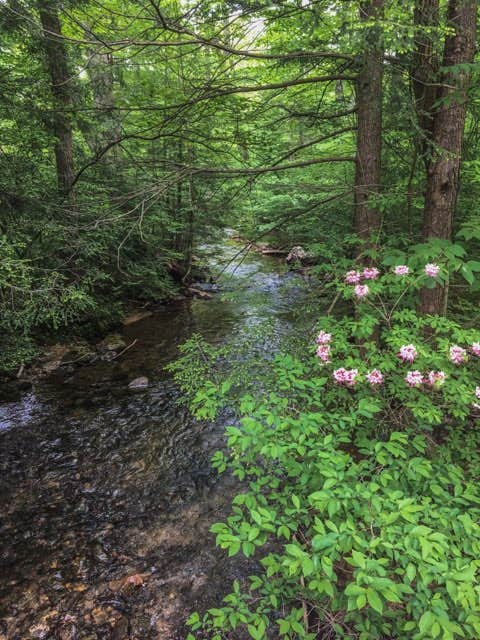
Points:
345	134
130	133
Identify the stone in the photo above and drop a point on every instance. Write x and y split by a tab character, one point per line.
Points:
80	353
141	382
100	615
120	630
198	293
112	342
297	254
136	317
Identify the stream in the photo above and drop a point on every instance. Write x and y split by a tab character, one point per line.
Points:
107	495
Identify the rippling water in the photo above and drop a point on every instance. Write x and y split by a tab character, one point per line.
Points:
107	494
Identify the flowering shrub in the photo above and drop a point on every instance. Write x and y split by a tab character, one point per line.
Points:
386	336
364	525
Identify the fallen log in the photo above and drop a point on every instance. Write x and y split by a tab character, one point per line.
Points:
274	252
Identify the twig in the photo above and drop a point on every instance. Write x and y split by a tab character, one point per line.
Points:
334	302
79	359
126	349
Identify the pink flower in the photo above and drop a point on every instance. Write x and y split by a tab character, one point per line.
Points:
407	353
458	355
371	273
361	290
323	352
477	392
476	349
352	277
436	378
345	376
414	378
351	377
432	270
401	270
323	337
375	377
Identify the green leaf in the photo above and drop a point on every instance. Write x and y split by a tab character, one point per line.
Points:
426	622
374	600
353	589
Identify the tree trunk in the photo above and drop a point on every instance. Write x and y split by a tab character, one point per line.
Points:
425	66
369	134
57	65
448	127
106	127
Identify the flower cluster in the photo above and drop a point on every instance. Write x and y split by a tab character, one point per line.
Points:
356	277
352	277
407	353
401	270
360	290
360	281
323	349
323	352
436	378
348	377
432	270
458	355
324	337
371	273
414	378
374	377
476	349
433	378
477	395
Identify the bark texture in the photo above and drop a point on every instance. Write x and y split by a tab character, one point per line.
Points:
448	129
369	119
57	65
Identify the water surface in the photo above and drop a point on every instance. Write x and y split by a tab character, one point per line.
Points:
107	495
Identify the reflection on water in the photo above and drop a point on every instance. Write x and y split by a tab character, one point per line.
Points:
107	494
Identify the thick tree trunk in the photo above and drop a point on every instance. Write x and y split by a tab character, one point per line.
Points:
424	71
449	121
369	118
57	65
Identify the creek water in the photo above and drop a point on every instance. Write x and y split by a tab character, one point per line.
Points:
107	495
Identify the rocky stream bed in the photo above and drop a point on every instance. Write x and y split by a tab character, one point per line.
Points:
107	494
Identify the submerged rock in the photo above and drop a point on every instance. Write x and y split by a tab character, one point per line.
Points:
80	353
199	293
136	317
112	342
139	383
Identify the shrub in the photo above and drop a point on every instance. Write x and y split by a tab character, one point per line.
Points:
364	525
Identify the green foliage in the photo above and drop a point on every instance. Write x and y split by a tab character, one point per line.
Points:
364	523
159	132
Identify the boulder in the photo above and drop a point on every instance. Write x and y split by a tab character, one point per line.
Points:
297	254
